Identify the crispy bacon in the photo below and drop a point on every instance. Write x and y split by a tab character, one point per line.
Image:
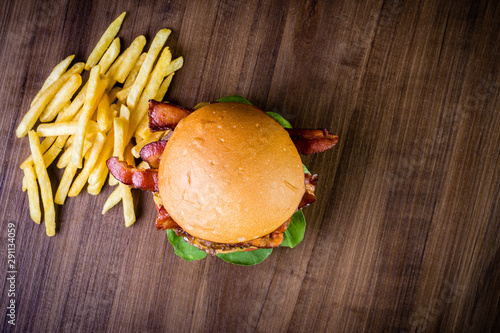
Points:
310	141
163	116
309	196
144	179
164	220
151	153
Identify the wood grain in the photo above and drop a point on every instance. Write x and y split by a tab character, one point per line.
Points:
405	235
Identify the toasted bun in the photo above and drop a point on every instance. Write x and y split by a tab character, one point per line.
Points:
230	173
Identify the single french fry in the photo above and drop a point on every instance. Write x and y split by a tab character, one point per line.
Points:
65	183
143	165
110	55
64	128
154	82
127	200
33	198
119	125
44	146
135	71
66	156
74	107
50	155
136	150
44	182
123	94
142	131
113	199
62	97
142	77
95	90
175	65
96	188
34	112
130	56
83	176
103	113
112	93
54	75
100	169
164	87
128	205
104	42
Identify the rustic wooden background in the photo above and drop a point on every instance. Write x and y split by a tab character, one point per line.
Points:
405	235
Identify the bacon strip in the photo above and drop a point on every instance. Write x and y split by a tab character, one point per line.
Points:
151	153
163	116
144	179
164	221
310	141
309	196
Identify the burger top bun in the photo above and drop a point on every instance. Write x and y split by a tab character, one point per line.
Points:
230	173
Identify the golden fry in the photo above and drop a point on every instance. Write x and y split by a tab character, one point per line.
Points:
65	183
46	143
44	182
54	75
104	113
33	198
142	77
100	169
82	177
130	56
112	200
95	90
135	71
164	87
64	128
62	97
110	55
104	42
128	204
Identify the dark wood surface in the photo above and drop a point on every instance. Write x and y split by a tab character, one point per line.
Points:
405	235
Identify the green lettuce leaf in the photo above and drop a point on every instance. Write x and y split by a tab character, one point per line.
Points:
184	250
235	99
248	258
305	169
294	234
279	119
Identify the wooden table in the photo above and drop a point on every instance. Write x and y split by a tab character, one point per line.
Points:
405	234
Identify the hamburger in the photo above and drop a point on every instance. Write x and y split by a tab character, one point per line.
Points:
229	178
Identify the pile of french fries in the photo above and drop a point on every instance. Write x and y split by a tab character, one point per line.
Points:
84	124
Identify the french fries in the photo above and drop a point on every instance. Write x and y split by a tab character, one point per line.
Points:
34	112
85	123
82	178
54	75
44	182
61	98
